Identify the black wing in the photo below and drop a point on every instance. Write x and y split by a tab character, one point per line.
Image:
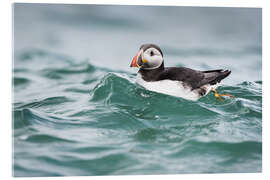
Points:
194	78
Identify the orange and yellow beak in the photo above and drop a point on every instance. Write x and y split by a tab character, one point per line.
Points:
134	61
138	60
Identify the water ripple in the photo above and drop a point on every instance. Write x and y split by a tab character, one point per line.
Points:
89	120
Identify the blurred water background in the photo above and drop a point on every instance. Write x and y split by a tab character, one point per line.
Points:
78	111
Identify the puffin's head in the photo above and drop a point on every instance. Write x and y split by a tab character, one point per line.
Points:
149	57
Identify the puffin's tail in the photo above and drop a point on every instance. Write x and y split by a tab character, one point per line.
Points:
215	76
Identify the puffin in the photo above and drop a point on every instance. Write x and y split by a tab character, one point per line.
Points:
180	82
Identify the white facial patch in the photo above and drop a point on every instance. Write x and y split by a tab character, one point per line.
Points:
153	58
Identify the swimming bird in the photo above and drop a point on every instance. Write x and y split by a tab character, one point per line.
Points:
181	82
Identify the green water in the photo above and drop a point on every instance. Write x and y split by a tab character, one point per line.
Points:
85	120
85	115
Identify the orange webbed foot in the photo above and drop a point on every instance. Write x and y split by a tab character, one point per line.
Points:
219	96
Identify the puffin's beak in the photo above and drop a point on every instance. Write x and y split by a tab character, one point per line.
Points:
134	62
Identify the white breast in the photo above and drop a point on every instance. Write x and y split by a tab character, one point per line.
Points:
173	88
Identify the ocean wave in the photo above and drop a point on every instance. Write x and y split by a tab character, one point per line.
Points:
120	90
17	81
92	121
31	117
63	72
78	111
45	102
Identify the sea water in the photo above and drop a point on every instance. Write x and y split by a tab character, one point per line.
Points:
78	111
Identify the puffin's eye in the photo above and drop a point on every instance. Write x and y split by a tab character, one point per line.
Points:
151	53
